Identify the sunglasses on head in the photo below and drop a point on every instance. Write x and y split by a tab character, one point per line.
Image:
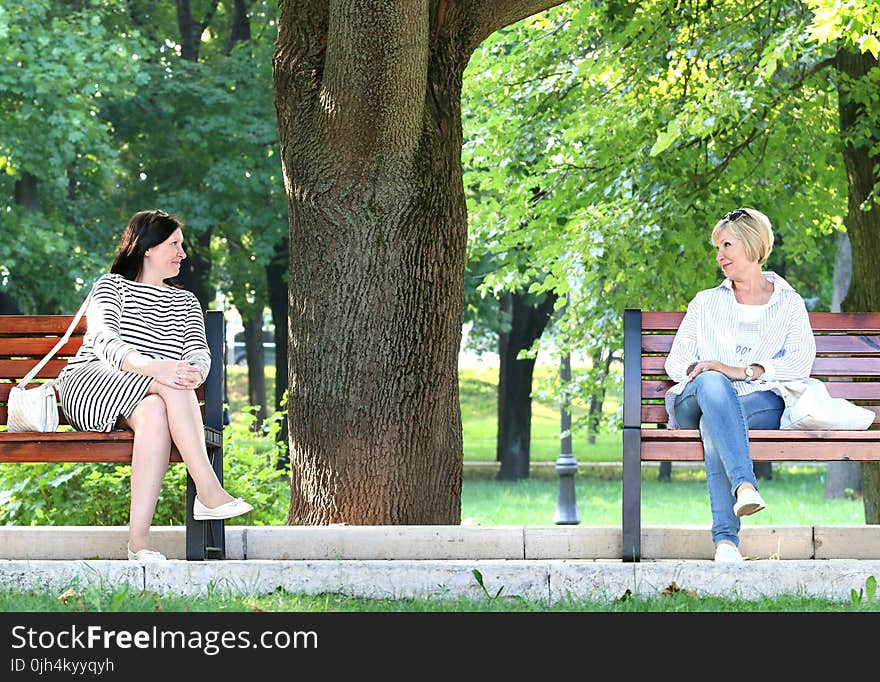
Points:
733	216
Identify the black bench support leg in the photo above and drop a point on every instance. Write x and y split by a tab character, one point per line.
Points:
204	539
632	494
207	539
632	434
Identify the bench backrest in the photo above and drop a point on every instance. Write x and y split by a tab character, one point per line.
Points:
25	339
847	358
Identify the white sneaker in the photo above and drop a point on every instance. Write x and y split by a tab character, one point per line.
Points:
727	553
748	501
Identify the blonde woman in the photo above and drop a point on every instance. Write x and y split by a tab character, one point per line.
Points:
735	338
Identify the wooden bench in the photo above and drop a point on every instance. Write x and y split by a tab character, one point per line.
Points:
25	339
847	357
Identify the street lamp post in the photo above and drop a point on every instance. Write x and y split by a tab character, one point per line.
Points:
566	464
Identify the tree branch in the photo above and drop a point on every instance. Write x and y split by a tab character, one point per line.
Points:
481	18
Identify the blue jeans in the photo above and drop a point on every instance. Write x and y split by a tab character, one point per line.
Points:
710	403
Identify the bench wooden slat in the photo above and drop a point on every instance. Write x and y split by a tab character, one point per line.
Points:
831	344
64	451
860	323
656	414
79	446
16	369
828	366
851	390
36	348
39	324
674	436
769	451
69	446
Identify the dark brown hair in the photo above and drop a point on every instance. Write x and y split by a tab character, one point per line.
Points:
145	230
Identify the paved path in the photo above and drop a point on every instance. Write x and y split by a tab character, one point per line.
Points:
538	563
547	581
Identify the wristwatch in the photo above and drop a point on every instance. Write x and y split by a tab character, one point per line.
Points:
750	372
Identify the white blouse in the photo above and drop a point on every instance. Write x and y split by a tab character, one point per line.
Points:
783	342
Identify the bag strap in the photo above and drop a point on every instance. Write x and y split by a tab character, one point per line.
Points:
64	339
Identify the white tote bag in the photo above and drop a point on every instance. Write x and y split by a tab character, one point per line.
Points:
36	409
809	407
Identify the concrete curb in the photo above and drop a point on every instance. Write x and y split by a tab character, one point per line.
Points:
548	581
338	543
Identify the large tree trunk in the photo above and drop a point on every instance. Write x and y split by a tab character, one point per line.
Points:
843	479
368	96
862	221
527	323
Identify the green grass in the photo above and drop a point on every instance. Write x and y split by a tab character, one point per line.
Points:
478	395
479	415
794	495
94	599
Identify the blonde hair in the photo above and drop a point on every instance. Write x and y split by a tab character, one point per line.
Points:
752	228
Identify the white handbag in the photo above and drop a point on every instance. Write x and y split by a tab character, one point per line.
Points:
809	407
36	409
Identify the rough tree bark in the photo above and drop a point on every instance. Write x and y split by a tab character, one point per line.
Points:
368	96
862	221
527	323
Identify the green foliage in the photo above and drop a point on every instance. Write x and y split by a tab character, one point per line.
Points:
59	161
101	116
74	494
638	130
856	22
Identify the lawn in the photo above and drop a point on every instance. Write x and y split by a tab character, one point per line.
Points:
122	599
795	493
479	413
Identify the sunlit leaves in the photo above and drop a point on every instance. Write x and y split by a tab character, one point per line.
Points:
856	22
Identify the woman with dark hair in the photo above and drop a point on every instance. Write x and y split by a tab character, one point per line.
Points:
143	355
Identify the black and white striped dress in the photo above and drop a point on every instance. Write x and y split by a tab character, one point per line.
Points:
164	323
